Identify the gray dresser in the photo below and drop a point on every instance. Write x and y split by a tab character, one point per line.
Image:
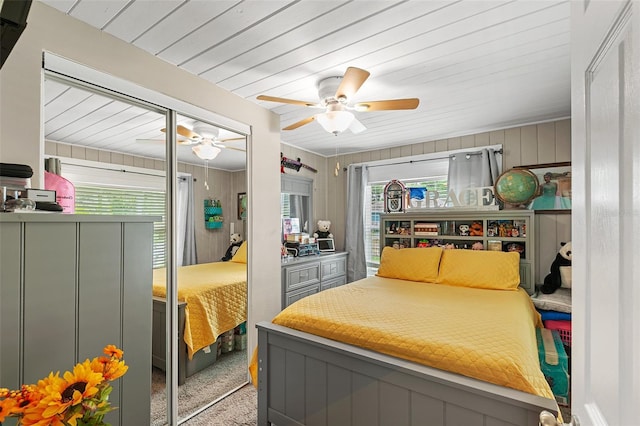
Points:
70	285
302	276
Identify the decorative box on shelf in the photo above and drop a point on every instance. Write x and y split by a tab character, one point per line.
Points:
213	218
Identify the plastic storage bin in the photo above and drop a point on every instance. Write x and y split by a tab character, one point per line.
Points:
562	327
554	363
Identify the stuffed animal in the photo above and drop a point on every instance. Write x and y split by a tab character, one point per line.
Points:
554	280
323	229
236	242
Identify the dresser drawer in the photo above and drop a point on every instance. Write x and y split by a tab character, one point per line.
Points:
332	268
296	295
302	275
337	282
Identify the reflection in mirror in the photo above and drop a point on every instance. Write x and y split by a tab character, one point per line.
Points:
296	205
211	293
124	155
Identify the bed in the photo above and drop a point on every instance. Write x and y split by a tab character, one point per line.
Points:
212	299
438	338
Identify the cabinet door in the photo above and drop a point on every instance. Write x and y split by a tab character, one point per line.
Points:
333	267
294	296
301	276
333	283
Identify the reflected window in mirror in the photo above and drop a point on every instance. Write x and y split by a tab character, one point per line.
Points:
296	205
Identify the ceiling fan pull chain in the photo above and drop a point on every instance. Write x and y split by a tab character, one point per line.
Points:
206	174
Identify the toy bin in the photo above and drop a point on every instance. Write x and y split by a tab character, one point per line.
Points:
562	327
554	363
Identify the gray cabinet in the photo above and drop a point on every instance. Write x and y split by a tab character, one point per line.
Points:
70	285
504	230
303	276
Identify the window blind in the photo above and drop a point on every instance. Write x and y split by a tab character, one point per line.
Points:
102	200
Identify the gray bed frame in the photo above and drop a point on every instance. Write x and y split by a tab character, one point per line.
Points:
186	367
305	379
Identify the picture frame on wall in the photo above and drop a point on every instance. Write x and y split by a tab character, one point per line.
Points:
555	187
242	206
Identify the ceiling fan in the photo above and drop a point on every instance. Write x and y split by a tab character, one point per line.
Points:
203	140
335	95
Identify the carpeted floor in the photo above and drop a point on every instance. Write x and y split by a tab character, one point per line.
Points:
237	409
228	372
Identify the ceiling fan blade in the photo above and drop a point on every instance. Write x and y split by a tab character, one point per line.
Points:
356	126
286	101
187	133
351	81
300	123
392	104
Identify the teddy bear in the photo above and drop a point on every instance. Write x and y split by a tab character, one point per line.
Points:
560	270
323	229
236	242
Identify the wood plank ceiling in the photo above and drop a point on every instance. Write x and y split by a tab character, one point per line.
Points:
475	65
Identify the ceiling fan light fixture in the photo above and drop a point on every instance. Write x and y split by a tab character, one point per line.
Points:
335	121
206	151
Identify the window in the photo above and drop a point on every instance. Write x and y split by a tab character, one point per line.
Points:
122	191
104	200
375	194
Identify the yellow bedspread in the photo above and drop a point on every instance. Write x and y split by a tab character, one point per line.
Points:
216	296
485	334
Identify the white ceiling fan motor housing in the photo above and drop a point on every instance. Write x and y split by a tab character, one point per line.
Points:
327	89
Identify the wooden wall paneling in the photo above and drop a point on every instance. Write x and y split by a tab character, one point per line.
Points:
546	143
457	142
105	157
78	152
137	313
103	274
512	149
563	140
50	148
417	149
496	137
395	152
118	158
100	284
49	311
10	312
481	139
93	155
529	145
405	151
64	150
467	141
441	145
429	147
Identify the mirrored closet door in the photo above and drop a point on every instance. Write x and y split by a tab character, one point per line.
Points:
113	151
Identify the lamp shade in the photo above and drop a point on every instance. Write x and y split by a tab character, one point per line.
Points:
335	121
206	151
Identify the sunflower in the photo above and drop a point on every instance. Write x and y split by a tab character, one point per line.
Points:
62	393
7	406
113	351
110	368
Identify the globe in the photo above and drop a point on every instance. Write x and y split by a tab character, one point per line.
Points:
516	186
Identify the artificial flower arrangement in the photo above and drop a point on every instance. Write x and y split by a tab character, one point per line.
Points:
78	398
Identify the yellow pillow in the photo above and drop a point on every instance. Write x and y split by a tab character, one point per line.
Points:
480	269
412	264
241	254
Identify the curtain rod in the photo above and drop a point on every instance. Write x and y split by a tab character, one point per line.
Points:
499	151
120	170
